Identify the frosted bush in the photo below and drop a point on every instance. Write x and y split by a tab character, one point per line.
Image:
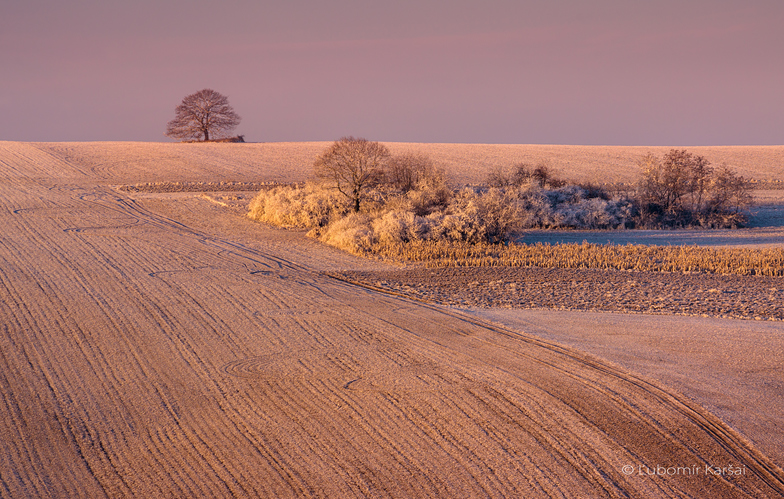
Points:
433	212
400	226
431	195
684	190
570	194
457	227
571	207
475	216
306	207
352	233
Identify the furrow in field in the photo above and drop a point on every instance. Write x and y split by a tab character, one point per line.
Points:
39	457
632	403
50	315
661	423
26	162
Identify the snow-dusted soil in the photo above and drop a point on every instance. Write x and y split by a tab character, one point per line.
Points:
160	345
696	294
735	368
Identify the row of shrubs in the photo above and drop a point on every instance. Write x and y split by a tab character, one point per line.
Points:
432	212
678	190
410	200
434	227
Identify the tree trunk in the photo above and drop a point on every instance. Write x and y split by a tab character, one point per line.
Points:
206	134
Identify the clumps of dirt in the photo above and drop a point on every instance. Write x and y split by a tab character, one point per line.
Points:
729	296
198	186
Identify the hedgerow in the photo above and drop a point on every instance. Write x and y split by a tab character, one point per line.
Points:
410	213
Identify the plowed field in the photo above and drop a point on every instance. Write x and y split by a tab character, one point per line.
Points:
160	346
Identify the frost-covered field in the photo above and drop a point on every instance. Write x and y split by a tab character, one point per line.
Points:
162	345
465	163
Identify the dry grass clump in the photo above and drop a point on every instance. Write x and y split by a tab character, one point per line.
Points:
760	262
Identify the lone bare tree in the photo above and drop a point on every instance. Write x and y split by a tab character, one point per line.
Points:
682	189
353	165
201	115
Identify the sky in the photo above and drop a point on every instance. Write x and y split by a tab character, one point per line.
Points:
599	72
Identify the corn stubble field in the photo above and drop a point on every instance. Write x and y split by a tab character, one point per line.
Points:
631	257
156	342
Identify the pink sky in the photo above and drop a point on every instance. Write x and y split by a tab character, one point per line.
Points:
625	72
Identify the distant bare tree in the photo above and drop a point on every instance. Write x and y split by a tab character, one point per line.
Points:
353	165
523	174
729	196
498	177
675	183
201	115
544	174
682	189
405	171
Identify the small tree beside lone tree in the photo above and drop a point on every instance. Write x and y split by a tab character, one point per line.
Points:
406	171
202	115
353	166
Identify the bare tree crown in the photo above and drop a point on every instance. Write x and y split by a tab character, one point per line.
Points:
683	189
352	165
202	115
